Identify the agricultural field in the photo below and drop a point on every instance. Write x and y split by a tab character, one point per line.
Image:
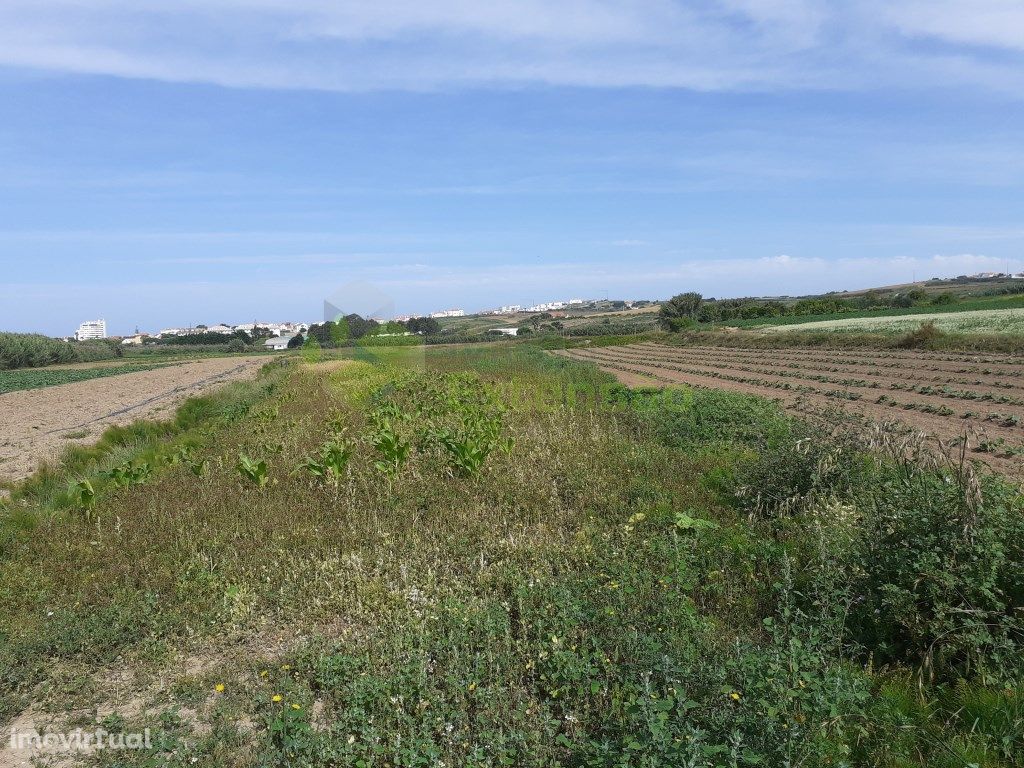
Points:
954	397
982	321
496	556
37	378
73	405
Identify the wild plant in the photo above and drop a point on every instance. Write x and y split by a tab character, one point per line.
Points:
128	474
254	472
199	468
84	497
330	462
393	449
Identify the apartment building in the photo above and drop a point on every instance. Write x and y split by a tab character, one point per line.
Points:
91	329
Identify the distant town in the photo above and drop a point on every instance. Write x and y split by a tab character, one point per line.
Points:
278	334
97	329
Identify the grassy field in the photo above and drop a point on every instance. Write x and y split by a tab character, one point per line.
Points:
36	378
493	556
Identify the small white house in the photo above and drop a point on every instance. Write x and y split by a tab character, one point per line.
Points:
278	343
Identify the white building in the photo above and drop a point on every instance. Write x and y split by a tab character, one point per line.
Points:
91	329
277	343
449	313
547	306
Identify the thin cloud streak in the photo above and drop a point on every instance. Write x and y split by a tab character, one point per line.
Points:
722	45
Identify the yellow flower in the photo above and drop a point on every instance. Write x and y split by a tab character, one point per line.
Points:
735	696
286	667
219	687
472	686
276	698
263	673
296	707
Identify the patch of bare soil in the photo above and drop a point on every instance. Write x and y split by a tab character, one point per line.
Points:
36	424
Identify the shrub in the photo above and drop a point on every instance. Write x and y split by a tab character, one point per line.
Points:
922	337
936	576
33	350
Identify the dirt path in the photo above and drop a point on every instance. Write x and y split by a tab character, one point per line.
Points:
36	424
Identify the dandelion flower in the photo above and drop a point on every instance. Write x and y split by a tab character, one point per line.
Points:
219	687
276	698
296	707
735	696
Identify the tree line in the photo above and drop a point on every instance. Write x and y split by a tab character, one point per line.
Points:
350	328
687	309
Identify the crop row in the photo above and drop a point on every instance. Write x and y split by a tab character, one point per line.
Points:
829	366
877	359
763	383
926	389
887	401
38	378
881	357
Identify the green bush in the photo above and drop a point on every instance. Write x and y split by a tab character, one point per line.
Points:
937	577
33	350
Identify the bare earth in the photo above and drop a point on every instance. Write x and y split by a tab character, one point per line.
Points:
36	424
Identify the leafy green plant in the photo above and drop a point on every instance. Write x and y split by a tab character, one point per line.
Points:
128	474
467	452
254	472
330	462
84	497
393	449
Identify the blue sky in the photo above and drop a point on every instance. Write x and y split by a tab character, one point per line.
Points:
172	163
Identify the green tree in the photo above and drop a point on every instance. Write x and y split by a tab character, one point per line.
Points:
680	311
425	325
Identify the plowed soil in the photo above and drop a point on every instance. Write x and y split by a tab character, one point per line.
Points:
36	424
954	397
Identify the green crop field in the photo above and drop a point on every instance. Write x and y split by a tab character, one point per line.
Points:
493	556
37	378
998	321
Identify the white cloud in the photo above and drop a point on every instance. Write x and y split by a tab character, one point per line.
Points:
998	23
411	44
